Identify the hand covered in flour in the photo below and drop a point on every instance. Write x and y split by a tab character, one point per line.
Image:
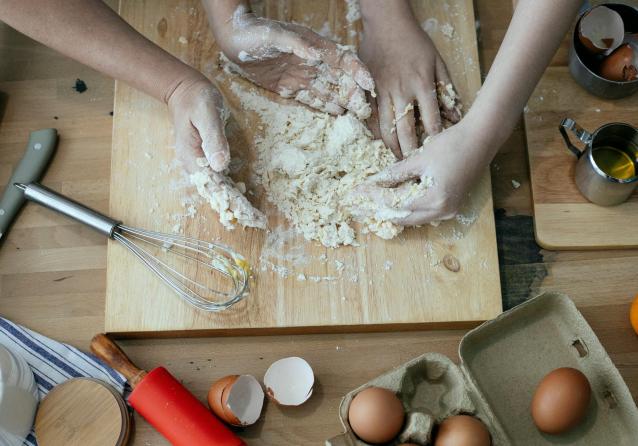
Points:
447	167
406	68
198	113
291	60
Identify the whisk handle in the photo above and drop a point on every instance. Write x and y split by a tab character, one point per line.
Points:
65	206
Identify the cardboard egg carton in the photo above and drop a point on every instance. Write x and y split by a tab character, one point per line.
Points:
502	362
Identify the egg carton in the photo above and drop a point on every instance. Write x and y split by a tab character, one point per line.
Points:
502	362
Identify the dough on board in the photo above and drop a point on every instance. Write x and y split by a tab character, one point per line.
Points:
308	163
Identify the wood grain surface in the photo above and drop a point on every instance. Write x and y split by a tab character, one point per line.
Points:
563	218
82	412
53	273
383	285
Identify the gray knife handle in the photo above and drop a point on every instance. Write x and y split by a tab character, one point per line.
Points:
30	169
72	209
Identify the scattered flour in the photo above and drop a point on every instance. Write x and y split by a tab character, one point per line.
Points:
285	255
353	12
447	30
309	162
466	220
279	247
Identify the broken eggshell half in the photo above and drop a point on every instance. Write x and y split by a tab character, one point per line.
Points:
289	381
236	399
601	30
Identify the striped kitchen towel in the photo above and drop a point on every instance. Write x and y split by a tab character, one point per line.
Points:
53	362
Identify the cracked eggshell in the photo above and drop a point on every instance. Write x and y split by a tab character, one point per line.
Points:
245	400
601	30
216	395
237	399
289	381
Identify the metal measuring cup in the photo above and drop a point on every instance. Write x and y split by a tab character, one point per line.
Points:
595	184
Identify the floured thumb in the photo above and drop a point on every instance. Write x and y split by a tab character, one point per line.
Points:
214	144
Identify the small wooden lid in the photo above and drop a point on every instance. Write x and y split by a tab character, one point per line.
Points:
82	412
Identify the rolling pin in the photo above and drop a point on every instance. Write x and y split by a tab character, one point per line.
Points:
165	403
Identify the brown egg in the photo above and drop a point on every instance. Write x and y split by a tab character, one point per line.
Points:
560	401
376	415
462	430
620	65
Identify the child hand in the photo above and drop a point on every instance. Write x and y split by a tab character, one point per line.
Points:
406	68
450	163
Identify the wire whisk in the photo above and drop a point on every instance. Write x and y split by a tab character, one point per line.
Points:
177	260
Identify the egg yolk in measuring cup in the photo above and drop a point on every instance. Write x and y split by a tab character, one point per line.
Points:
615	162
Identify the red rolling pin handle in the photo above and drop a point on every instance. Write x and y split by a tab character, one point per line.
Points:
177	414
165	403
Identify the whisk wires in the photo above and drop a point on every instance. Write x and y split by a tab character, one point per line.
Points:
204	257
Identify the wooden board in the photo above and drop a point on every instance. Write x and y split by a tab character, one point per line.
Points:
563	218
53	274
400	283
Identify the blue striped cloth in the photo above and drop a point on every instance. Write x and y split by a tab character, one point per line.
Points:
53	362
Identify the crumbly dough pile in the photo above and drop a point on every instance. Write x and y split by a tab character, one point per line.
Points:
308	162
227	198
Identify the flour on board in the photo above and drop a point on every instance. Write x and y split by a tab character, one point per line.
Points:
226	198
353	11
309	162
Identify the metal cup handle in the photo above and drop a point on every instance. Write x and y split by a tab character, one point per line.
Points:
582	134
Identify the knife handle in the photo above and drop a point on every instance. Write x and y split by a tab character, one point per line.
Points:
105	349
30	169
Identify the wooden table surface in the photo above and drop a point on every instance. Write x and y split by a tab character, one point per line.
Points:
52	271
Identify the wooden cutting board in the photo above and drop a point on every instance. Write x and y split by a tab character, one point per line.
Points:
395	284
563	218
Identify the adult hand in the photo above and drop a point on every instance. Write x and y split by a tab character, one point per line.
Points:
406	68
197	108
199	118
294	61
449	164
